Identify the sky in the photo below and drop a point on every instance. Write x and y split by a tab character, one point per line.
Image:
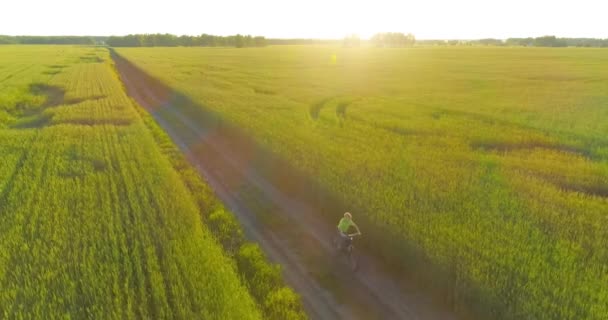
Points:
322	19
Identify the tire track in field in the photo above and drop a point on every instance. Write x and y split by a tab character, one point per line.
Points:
295	237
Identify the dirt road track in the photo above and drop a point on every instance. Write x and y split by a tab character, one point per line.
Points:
289	230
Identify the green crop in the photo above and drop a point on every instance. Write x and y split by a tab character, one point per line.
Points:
95	222
492	162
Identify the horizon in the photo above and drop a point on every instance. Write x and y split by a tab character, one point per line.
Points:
272	38
315	19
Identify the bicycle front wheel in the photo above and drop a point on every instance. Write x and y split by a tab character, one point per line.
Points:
352	260
335	241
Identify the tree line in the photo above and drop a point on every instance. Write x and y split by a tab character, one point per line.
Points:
169	40
545	41
387	39
81	40
552	41
393	39
296	41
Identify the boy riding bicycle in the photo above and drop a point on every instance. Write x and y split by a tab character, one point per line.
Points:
343	226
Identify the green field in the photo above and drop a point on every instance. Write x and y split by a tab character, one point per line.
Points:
98	218
491	161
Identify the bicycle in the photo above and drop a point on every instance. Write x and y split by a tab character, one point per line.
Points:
347	250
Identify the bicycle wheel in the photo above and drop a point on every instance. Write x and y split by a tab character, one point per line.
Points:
352	259
335	242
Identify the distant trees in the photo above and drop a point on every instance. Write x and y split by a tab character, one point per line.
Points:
393	39
549	41
491	42
145	40
390	39
586	42
169	40
526	42
6	40
239	42
545	41
304	42
351	41
552	41
48	40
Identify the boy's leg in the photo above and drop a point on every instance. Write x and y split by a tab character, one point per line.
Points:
345	241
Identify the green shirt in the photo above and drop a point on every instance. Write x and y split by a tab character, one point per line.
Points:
345	224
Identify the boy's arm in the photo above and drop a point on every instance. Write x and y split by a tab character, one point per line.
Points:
356	227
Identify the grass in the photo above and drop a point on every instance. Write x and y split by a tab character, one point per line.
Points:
492	162
96	220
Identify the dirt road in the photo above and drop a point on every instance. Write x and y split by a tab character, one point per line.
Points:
288	229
